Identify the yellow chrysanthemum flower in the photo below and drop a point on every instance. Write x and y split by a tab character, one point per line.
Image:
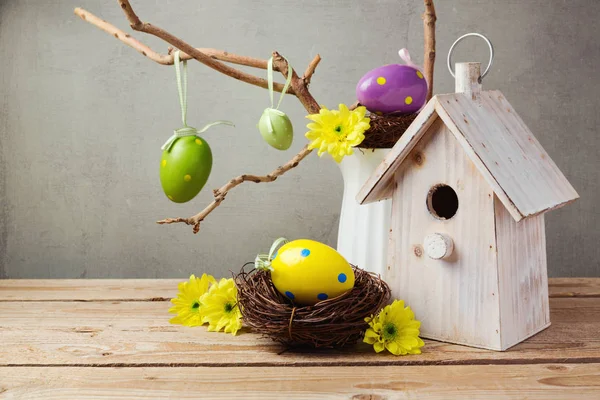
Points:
394	329
187	304
337	131
220	307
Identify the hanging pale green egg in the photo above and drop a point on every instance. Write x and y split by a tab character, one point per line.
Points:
276	129
184	168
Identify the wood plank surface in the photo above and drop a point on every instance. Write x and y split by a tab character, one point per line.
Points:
164	289
102	345
543	382
88	289
574	287
138	333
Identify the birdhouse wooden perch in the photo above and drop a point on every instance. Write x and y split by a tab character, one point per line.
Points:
470	185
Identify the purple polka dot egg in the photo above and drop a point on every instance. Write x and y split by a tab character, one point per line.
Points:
393	88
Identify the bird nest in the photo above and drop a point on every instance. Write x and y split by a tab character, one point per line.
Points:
335	322
386	129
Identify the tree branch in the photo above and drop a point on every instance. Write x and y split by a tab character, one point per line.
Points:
173	40
220	194
429	19
310	70
208	57
166	59
298	86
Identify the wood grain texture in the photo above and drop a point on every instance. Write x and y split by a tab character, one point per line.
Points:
139	333
456	299
498	142
522	276
379	185
164	289
99	348
543	382
468	79
88	289
508	155
574	287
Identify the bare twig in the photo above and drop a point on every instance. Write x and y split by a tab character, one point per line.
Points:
223	55
220	194
310	70
212	58
166	59
209	60
209	57
429	19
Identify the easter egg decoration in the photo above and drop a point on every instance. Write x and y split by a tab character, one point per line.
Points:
306	271
274	125
186	160
393	88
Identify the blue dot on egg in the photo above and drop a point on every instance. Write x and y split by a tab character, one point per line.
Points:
274	255
305	253
342	277
322	296
290	295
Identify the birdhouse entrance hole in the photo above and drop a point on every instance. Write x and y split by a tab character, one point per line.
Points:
442	201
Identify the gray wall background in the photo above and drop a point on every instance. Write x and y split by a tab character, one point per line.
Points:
82	119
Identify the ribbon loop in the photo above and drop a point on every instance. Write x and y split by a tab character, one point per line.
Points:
405	56
263	261
182	90
288	81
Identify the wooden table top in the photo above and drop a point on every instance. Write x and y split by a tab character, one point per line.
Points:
88	339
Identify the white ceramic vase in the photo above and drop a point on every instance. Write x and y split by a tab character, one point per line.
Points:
364	230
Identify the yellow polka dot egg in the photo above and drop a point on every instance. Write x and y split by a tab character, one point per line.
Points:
185	167
306	272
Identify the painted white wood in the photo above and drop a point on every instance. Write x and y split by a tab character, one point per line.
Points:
497	141
523	175
438	246
456	298
522	276
380	185
467	79
363	230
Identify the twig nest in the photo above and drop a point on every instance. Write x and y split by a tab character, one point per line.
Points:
335	322
386	129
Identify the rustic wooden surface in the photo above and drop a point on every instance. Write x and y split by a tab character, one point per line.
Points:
89	339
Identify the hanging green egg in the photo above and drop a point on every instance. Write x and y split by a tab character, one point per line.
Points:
184	168
276	129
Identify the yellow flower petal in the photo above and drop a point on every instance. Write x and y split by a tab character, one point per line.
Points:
221	311
337	131
187	304
379	347
395	329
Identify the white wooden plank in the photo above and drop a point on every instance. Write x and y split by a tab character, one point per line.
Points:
470	152
490	382
379	185
456	298
522	276
508	152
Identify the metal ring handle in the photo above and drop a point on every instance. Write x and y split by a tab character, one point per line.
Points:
463	37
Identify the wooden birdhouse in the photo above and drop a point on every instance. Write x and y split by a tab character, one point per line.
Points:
470	185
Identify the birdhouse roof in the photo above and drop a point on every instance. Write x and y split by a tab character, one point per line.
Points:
499	144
